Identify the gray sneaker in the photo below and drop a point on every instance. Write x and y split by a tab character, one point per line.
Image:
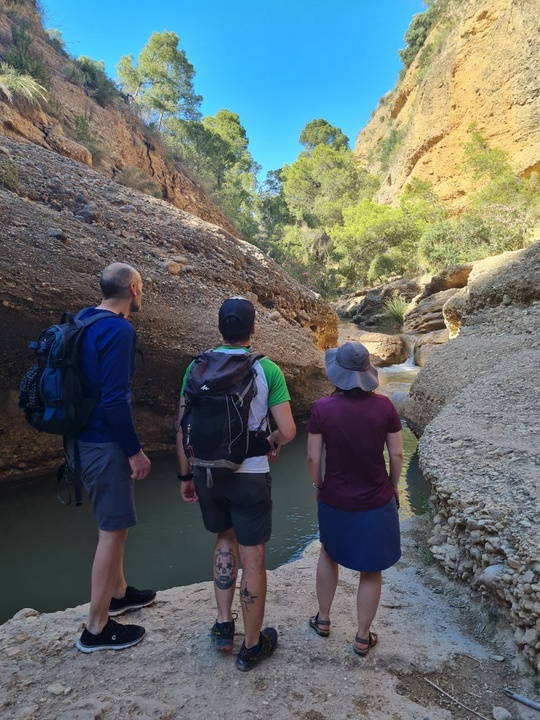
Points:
223	635
247	659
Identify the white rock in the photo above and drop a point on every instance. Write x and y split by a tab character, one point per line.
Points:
56	689
500	713
25	613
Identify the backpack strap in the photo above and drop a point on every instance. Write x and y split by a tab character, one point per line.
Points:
100	315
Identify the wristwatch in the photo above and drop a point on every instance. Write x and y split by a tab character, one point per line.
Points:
185	478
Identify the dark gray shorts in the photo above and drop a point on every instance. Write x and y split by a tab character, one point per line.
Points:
242	501
106	476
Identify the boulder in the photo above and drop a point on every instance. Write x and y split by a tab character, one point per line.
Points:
427	314
385	349
426	344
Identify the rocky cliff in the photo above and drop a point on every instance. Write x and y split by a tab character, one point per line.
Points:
121	145
479	64
64	222
476	404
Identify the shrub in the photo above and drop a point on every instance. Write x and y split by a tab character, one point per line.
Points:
14	84
381	266
395	309
136	179
388	146
86	137
9	176
23	58
54	38
90	74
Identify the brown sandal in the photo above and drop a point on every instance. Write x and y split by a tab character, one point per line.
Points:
371	641
314	623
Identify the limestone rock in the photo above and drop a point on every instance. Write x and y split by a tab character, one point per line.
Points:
427	315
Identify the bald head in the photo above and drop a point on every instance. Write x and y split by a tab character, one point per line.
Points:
115	280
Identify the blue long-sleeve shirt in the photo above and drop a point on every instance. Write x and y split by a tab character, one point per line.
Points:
107	360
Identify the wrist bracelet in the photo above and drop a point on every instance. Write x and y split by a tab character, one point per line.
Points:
185	478
317	487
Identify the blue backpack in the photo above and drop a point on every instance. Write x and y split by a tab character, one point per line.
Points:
51	392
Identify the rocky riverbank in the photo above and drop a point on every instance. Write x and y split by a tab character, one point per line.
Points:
476	405
433	641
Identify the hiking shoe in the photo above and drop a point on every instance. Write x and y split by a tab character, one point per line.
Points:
223	635
247	659
133	600
114	636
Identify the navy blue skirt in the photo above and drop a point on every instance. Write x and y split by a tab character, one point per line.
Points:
364	540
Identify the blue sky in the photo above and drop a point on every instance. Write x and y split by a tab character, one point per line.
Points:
277	64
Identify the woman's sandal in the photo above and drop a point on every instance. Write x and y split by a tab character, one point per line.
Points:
314	623
371	641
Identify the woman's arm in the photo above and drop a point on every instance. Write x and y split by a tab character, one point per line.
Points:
315	446
395	453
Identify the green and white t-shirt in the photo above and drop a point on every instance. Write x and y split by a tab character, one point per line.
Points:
271	390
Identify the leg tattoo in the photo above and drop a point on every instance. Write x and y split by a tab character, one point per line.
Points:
247	598
225	569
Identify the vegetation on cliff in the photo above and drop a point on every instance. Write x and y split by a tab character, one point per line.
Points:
319	216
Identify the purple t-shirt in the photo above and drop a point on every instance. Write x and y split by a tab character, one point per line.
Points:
354	431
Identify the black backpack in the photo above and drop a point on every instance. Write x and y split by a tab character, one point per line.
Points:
218	391
51	391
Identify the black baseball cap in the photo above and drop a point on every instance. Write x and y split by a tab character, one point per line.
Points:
235	318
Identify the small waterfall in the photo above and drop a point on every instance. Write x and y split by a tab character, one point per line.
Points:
411	341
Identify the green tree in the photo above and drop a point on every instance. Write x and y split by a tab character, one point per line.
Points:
216	149
321	183
274	214
370	230
320	132
162	80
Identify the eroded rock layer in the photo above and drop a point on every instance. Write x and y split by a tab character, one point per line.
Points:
476	402
67	222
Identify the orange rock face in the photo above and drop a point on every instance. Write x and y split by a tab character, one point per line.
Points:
483	68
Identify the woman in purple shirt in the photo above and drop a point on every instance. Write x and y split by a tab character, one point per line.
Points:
357	497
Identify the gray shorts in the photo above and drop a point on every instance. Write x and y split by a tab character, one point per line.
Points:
106	476
242	501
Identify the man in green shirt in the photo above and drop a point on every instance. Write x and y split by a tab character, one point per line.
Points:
238	508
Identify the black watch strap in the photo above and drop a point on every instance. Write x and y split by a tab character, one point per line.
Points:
185	478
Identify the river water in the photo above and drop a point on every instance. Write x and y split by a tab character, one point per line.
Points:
47	548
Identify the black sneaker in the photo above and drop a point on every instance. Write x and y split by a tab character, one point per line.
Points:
223	635
247	659
133	600
114	636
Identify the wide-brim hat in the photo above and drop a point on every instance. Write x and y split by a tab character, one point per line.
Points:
348	367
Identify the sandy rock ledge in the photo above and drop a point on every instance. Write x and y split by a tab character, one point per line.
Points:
427	627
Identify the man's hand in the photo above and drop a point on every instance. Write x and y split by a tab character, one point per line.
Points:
273	453
187	491
140	466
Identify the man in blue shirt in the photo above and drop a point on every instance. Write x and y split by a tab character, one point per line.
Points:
111	458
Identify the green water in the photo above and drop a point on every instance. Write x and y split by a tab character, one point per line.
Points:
47	548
